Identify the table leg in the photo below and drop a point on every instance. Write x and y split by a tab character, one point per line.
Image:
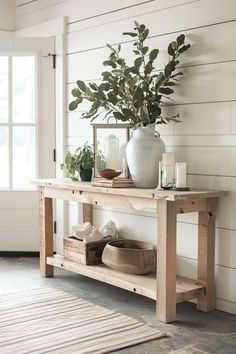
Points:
87	213
46	234
166	261
206	256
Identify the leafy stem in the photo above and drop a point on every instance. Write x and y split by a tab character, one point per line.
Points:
133	93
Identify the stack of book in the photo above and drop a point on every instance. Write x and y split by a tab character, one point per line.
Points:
117	182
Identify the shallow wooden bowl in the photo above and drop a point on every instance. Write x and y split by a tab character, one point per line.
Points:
130	256
109	173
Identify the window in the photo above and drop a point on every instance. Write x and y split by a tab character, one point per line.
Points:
17	121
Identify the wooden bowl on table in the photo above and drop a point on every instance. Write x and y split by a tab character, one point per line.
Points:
109	173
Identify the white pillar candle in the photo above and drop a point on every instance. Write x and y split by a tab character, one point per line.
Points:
181	174
112	152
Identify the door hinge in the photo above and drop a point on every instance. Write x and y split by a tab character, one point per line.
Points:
55	227
53	59
54	155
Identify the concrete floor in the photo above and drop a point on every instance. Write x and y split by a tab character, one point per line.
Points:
194	332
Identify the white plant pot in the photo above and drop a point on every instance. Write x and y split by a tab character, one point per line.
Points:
144	151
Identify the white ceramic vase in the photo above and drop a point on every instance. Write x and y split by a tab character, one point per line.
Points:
144	151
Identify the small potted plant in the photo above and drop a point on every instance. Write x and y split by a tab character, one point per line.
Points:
78	165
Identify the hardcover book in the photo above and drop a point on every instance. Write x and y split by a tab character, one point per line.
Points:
113	183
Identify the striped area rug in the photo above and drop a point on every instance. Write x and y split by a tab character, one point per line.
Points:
47	320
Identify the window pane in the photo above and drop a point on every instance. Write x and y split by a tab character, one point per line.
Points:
23	89
24	164
3	89
4	161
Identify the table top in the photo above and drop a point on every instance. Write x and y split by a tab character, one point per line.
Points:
67	183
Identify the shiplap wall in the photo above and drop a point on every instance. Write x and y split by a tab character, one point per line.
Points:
206	101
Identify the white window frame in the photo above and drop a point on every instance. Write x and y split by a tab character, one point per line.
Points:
10	124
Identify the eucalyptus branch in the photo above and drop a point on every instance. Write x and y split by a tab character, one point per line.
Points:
133	93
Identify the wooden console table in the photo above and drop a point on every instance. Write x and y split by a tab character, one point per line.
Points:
166	288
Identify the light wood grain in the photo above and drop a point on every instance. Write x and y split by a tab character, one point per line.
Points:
46	233
87	212
190	205
77	189
206	256
186	288
166	261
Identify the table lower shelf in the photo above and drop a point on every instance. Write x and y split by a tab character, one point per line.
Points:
186	289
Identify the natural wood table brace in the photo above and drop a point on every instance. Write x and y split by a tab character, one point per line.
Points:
165	287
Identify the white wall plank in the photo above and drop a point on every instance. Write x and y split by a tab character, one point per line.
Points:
224	277
45	10
207	159
28	7
208	44
203	119
141	12
225	244
225	216
200	140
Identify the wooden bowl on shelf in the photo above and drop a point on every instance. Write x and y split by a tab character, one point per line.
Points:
109	173
130	256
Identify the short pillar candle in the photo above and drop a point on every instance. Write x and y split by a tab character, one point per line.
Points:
181	174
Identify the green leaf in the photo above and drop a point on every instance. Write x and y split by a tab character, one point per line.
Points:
131	34
105	86
138	62
148	68
153	54
106	75
142	28
166	90
159	79
184	48
117	72
145	34
75	92
138	96
133	69
109	63
120	61
119	116
171	50
127	113
180	39
169	68
81	85
144	115
177	74
110	47
145	50
170	83
112	98
73	105
93	86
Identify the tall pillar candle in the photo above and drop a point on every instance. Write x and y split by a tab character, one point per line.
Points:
112	152
181	174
